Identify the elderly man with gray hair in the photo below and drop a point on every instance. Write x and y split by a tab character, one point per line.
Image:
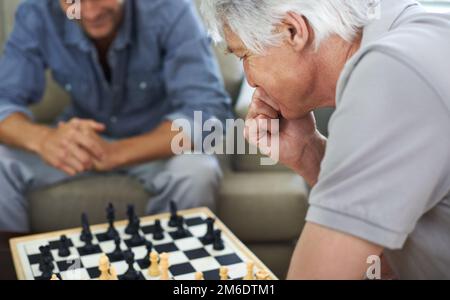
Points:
381	181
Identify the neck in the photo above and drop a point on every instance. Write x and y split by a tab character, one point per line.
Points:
331	59
104	44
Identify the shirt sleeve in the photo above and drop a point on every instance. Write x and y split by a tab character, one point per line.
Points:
22	68
191	73
386	156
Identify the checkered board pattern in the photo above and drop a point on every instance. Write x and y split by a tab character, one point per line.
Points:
187	255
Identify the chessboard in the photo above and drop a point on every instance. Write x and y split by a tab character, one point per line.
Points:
181	245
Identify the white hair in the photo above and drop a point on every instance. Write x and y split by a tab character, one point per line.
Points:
254	21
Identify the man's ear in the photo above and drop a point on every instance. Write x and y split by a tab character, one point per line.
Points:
297	29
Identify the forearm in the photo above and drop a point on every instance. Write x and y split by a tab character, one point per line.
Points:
311	158
19	131
324	253
154	145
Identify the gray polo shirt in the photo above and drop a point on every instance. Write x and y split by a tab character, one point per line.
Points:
385	177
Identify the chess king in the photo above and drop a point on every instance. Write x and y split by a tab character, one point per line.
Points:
381	181
131	68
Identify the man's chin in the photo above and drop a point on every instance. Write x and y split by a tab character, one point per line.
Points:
98	34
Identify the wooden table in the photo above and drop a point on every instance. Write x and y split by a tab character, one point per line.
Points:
7	271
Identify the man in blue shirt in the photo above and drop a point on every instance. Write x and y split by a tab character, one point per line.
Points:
132	68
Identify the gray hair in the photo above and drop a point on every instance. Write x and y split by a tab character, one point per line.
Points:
254	21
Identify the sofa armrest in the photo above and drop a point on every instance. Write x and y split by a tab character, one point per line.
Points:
264	207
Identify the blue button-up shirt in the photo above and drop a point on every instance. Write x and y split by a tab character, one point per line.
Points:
161	64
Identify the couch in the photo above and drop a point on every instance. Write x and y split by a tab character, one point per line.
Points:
263	206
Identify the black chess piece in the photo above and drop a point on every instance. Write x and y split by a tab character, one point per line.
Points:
89	247
173	221
158	231
131	216
131	273
86	233
181	231
149	247
45	258
46	252
136	238
208	238
64	247
111	233
218	242
117	254
146	259
47	269
46	265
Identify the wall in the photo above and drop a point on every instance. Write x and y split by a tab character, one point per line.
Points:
2	25
9	9
7	12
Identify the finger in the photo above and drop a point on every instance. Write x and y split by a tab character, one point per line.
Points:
252	131
68	170
258	107
94	125
81	123
75	122
60	164
81	156
61	124
75	164
263	127
271	126
90	144
98	166
67	158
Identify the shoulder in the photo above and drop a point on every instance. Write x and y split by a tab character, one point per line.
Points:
159	12
37	6
36	14
419	47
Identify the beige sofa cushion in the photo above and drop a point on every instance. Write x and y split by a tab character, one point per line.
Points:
60	206
267	207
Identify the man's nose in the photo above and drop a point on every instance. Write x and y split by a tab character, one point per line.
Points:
248	75
89	10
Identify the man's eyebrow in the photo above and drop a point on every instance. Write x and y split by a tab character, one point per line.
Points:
229	50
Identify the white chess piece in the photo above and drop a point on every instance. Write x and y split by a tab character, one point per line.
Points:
153	270
250	268
164	264
54	277
223	273
113	273
104	268
262	275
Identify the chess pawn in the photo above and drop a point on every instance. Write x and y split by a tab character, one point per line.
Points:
199	276
164	264
262	275
223	273
104	268
54	277
153	270
250	267
113	273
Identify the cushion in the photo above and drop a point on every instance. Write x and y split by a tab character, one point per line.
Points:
268	206
60	206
